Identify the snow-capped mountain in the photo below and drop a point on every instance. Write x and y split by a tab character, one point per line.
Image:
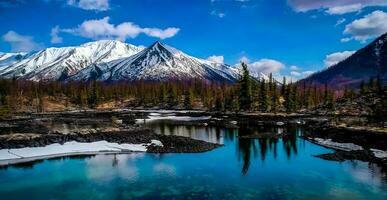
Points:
60	63
7	59
156	63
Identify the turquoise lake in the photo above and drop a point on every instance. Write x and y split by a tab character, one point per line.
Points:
242	169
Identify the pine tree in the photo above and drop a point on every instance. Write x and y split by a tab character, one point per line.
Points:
188	98
274	98
172	97
289	98
283	88
163	95
263	100
328	96
245	91
93	97
219	101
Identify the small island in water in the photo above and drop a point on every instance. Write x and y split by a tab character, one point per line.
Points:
107	119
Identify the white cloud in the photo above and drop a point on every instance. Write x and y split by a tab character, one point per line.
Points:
369	26
159	33
345	39
54	35
340	21
98	5
339	10
307	73
334	6
103	29
266	66
295	73
244	59
294	68
218	14
335	58
21	42
216	59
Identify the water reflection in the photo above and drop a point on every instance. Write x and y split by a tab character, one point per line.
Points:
282	161
209	134
260	148
270	140
99	168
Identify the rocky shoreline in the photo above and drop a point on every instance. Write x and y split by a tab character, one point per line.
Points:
115	130
356	144
171	144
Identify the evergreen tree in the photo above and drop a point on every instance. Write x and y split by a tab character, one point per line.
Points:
283	88
188	98
163	95
93	97
219	101
172	97
245	92
289	98
274	98
263	100
328	96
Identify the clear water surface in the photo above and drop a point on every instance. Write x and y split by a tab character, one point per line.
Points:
242	169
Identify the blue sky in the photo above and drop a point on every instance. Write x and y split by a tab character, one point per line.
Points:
285	37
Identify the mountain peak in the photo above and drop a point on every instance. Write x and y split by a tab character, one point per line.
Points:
102	42
157	43
114	60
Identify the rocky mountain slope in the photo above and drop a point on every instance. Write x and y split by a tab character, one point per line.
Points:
60	63
109	60
156	63
7	59
367	62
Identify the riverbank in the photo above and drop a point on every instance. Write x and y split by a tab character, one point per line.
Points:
35	137
349	143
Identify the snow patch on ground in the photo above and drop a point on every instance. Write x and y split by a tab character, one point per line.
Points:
336	145
157	143
379	153
12	156
157	116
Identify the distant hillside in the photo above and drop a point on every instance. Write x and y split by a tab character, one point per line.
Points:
367	62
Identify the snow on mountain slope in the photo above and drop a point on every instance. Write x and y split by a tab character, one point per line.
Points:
156	63
60	63
260	76
7	59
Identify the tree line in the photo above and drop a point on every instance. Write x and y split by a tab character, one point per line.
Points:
248	94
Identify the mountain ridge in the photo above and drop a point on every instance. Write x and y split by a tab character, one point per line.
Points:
57	63
369	61
111	60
